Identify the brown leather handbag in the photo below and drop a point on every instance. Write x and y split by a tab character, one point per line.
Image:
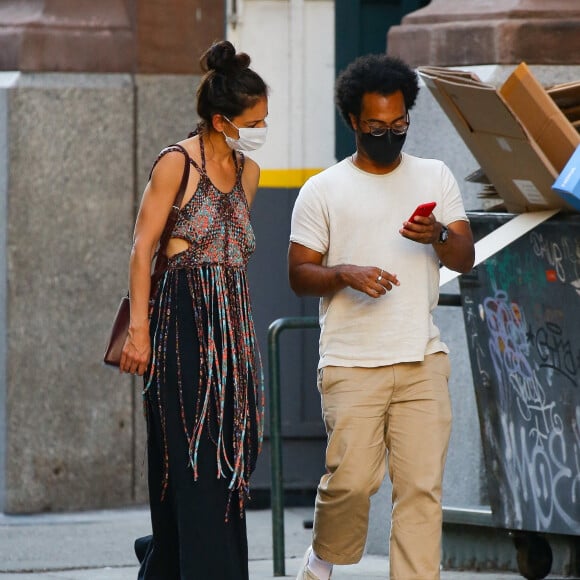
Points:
120	328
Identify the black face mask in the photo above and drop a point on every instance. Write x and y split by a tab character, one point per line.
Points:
383	150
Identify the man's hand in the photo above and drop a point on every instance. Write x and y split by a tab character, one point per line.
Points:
457	253
308	277
424	230
370	280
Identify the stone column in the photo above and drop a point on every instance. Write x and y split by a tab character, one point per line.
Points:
90	91
470	32
172	34
141	36
65	35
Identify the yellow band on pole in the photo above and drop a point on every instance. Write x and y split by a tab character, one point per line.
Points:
286	178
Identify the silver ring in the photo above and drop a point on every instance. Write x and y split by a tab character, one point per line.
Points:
379	278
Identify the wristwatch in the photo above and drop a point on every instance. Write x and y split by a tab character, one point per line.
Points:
444	234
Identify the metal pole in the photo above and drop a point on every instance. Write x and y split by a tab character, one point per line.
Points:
277	497
277	491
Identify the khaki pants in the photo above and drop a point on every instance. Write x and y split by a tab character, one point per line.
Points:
403	409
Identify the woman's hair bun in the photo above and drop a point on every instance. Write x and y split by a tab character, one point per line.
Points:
221	57
229	86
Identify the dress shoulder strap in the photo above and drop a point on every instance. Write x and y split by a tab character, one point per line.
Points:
240	165
164	151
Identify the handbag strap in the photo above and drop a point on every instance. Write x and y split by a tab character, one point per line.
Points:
160	256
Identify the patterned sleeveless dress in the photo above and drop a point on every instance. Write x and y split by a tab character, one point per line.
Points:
203	394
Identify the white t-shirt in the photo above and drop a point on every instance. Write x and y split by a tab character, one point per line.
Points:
353	217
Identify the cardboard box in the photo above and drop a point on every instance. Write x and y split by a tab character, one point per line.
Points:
521	152
540	115
567	97
568	183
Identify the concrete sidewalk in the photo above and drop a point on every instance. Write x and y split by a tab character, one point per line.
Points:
99	546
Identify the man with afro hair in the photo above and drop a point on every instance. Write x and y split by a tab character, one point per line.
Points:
384	369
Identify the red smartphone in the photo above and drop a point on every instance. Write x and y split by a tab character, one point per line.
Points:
423	209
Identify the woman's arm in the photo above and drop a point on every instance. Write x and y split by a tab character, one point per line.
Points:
156	203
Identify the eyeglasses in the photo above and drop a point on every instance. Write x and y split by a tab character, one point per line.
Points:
399	127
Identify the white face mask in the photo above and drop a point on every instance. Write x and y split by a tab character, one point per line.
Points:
251	138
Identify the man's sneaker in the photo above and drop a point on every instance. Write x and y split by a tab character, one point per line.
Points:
305	573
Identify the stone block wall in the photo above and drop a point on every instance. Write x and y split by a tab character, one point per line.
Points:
73	164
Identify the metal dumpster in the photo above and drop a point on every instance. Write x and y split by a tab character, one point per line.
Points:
522	316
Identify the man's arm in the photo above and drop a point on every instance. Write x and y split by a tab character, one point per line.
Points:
457	253
308	277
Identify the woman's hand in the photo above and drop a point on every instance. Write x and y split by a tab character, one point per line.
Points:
137	351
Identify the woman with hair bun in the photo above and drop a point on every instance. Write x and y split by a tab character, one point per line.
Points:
194	344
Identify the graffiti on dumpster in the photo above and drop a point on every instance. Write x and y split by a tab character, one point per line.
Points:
562	254
525	355
534	445
555	351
